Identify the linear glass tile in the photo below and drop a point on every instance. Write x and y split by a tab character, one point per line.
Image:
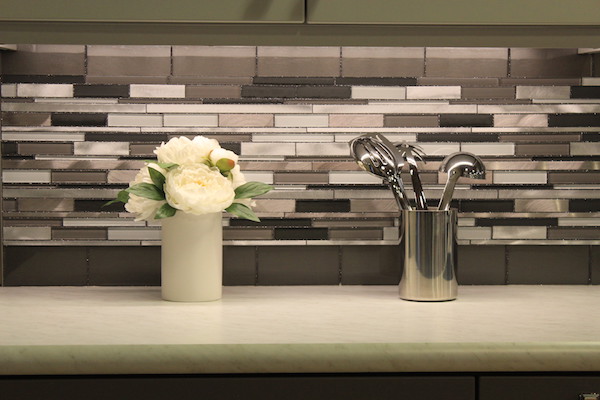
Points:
43	136
475	233
245	120
158	91
378	92
8	90
519	232
119	91
44	90
541	205
229	108
134	120
322	149
527	120
27	233
191	120
133	234
79	119
312	120
433	92
15	176
489	149
101	148
516	177
543	92
585	148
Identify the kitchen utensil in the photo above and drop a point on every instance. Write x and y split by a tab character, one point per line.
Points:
461	164
409	152
377	160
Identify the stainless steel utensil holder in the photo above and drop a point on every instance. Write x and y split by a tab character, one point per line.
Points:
428	238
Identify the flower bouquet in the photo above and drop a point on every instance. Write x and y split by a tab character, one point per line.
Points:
192	176
187	189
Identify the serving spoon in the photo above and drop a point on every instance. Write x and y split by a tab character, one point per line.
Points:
461	164
376	159
407	153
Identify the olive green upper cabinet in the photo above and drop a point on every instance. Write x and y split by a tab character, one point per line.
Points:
454	12
217	11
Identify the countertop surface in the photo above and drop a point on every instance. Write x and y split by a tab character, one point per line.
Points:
298	329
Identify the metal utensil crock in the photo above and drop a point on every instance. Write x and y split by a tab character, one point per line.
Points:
428	238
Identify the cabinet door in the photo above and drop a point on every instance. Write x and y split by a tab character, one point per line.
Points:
537	387
253	387
454	12
269	11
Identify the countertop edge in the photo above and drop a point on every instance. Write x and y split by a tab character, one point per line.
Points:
298	358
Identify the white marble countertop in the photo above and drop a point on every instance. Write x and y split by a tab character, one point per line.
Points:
302	329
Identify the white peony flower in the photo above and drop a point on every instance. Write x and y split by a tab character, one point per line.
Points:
219	153
198	189
238	176
183	151
143	208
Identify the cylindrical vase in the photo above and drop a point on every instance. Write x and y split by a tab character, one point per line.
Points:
192	257
429	242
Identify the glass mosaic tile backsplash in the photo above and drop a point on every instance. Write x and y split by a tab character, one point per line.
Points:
79	121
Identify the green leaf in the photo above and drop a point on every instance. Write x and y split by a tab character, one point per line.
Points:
122	196
157	178
251	189
165	211
163	165
242	211
147	190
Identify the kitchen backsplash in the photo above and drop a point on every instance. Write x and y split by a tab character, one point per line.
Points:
78	121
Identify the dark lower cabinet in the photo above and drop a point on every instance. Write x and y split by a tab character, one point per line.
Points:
246	387
544	387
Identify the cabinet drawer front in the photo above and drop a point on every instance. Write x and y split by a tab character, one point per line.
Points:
276	11
537	387
455	12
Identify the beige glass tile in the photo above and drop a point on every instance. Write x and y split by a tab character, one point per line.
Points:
356	120
547	63
541	205
246	120
525	120
29	204
213	91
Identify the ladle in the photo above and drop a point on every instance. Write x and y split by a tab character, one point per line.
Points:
376	159
461	164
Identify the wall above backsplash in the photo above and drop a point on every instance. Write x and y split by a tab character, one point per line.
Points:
78	121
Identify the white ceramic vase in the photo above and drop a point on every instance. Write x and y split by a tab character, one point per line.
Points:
192	257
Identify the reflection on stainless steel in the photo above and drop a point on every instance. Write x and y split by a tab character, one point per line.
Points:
429	242
461	164
374	158
407	151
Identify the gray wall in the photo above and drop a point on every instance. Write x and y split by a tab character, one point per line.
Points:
78	121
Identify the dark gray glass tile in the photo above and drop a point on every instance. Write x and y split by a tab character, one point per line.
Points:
298	265
31	149
481	265
410	121
548	265
590	137
585	92
271	222
553	149
574	177
97	206
584	205
6	78
101	91
245	233
572	232
457	137
301	234
322	205
371	265
458	120
79	119
539	138
79	177
126	137
269	91
487	93
373	81
35	60
239	265
10	148
595	264
78	234
516	222
325	92
486	205
274	80
124	266
565	120
45	266
25	119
